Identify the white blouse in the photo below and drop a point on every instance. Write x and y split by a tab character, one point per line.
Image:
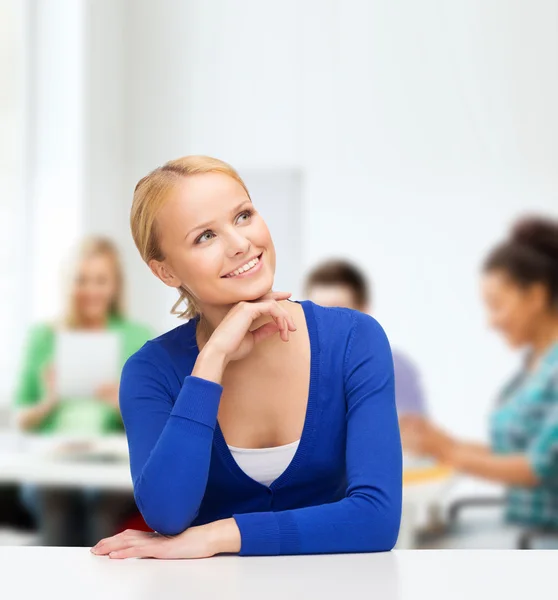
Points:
264	465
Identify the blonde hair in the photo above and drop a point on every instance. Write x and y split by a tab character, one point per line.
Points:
89	247
150	195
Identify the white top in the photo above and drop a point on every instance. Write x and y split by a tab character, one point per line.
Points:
264	465
401	575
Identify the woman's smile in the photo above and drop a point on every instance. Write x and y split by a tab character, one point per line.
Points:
248	269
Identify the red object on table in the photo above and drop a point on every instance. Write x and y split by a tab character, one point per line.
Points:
134	521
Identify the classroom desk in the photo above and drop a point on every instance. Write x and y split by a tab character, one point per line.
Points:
24	468
422	486
67	573
34	460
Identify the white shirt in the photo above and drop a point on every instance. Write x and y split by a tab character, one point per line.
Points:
264	465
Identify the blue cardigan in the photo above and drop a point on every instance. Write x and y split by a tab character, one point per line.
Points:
342	490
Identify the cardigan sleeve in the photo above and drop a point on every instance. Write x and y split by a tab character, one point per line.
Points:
169	443
368	517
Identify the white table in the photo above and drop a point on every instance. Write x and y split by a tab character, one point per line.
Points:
37	466
67	573
32	461
25	468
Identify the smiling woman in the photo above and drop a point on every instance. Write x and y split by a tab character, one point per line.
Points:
260	426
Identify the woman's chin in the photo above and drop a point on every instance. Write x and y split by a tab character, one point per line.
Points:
251	290
516	343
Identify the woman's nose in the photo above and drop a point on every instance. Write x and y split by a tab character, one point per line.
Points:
237	245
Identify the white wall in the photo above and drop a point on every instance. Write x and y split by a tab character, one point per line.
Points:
420	131
14	294
57	144
441	132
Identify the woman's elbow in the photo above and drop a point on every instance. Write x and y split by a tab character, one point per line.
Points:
384	537
382	529
164	519
166	523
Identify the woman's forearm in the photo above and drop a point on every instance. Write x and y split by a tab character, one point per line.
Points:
31	417
478	460
170	467
226	536
476	448
210	365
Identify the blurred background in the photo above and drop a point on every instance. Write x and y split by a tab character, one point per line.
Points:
405	137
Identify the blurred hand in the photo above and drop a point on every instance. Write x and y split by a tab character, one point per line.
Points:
420	436
195	542
50	386
108	393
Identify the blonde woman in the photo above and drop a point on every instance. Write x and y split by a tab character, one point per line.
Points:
261	425
95	301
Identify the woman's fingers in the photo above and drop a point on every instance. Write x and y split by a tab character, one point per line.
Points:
265	331
272	300
139	551
119	541
281	318
275	296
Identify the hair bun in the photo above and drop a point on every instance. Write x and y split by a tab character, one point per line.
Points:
539	233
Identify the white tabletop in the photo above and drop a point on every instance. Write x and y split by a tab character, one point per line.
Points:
23	467
67	573
35	459
26	468
39	460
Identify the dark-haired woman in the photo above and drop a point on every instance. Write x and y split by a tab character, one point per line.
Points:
520	290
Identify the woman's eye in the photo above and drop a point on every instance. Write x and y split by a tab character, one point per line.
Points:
206	235
244	216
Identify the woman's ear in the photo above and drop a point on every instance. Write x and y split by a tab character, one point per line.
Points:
538	296
164	273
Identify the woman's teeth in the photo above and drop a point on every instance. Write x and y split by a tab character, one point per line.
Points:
244	268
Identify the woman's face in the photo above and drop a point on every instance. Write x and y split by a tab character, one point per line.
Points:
215	243
95	287
512	310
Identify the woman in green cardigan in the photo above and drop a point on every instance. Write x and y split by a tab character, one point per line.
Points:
95	302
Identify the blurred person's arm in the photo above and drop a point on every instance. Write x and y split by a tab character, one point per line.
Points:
423	438
510	469
35	396
108	393
409	391
30	418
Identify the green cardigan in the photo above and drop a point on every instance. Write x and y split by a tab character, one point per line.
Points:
88	416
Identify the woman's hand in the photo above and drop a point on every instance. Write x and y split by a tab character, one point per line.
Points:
420	436
233	337
196	542
108	393
234	340
49	384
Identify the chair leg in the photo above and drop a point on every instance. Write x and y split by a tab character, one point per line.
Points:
527	537
457	506
524	541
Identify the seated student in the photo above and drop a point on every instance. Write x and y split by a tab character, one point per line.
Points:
340	283
95	303
520	290
249	430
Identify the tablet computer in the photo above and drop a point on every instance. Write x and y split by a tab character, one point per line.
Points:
84	361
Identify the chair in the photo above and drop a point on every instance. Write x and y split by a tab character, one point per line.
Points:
526	538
